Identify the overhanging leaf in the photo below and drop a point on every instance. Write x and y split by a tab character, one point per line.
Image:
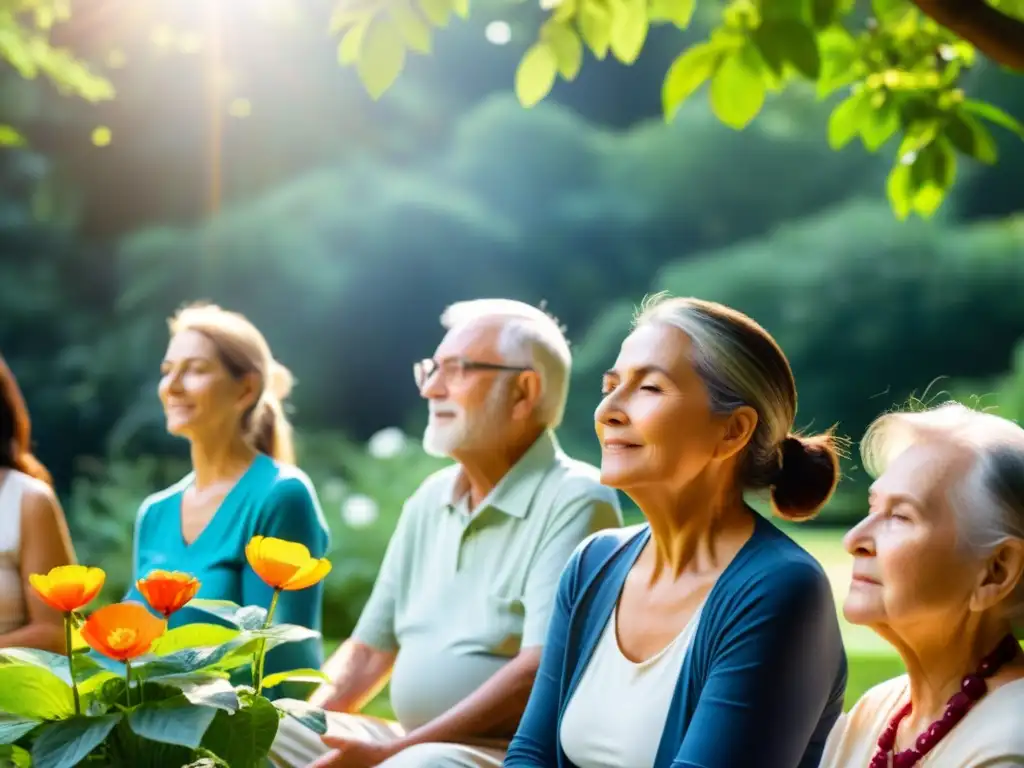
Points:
737	89
782	41
567	47
413	27
595	25
993	114
535	74
381	57
846	119
688	72
629	29
970	136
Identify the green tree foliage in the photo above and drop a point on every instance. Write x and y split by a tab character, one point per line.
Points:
25	45
900	71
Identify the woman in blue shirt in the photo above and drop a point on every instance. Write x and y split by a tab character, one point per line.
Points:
222	390
705	638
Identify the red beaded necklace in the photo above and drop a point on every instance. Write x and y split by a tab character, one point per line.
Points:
972	688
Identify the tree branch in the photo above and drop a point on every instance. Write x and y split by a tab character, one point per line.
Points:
998	36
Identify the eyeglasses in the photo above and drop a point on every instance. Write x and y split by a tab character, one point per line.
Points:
454	368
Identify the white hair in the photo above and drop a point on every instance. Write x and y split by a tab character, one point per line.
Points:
989	496
529	337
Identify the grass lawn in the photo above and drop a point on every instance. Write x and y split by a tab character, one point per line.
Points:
871	660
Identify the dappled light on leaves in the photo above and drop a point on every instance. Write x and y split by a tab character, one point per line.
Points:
901	71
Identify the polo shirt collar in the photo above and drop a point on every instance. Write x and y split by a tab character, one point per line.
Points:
515	491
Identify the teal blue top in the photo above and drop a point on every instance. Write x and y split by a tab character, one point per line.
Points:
270	499
761	686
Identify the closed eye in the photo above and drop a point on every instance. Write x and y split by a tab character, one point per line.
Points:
650	388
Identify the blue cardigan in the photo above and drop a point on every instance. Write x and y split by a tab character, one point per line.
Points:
762	683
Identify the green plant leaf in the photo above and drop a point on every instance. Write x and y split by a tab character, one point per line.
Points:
840	62
691	69
173	722
898	189
9	137
192	636
847	118
34	692
257	720
677	12
782	41
312	717
823	13
85	666
993	114
13	728
214	692
190	660
595	25
12	756
738	89
629	29
67	743
439	12
298	675
970	136
461	8
879	125
567	47
536	74
242	617
414	29
381	60
348	53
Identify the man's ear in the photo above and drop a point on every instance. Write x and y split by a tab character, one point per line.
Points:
526	395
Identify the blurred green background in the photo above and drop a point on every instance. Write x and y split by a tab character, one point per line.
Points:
257	173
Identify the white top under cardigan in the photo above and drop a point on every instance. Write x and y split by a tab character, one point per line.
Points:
617	713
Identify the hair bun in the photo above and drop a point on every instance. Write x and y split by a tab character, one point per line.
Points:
279	381
807	476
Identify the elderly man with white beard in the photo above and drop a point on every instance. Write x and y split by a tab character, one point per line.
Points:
459	612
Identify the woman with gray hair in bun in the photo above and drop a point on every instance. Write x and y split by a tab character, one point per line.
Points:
937	572
222	390
705	638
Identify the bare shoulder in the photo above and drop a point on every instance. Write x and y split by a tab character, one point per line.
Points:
38	501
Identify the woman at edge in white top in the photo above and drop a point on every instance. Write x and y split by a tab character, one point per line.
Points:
33	532
937	572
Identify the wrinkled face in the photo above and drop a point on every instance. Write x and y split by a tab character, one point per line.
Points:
469	408
654	423
198	393
910	570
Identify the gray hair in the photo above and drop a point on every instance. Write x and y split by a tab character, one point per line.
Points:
529	337
742	365
989	497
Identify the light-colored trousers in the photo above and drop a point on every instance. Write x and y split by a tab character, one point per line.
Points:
296	746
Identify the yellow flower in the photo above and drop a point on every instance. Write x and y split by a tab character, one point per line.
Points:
284	564
68	588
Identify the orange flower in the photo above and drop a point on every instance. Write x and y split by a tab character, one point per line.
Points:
285	564
122	631
167	592
68	588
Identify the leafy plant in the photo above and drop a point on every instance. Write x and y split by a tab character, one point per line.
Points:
900	70
174	705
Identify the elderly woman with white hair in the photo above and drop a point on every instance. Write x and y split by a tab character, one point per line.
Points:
937	572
